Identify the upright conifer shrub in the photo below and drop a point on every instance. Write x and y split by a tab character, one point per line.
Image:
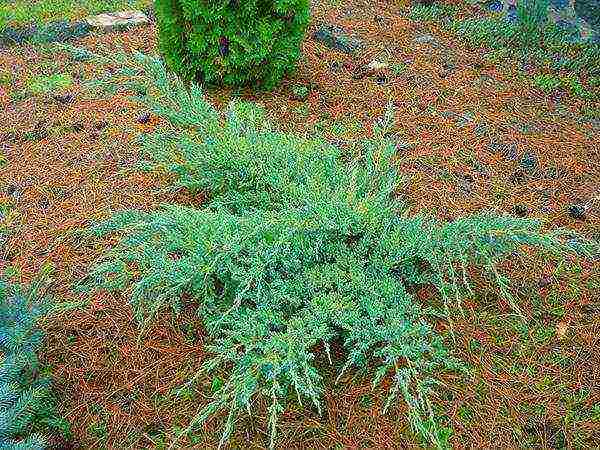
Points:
232	42
296	247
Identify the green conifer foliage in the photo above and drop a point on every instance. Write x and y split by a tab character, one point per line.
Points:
26	401
232	42
297	246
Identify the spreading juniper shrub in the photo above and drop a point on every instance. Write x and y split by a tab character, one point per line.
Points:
296	249
28	417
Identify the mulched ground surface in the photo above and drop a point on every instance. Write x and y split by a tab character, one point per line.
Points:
471	136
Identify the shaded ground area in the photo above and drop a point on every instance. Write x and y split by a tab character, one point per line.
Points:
21	12
471	135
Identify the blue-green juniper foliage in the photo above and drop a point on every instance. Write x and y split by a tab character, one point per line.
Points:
297	246
26	402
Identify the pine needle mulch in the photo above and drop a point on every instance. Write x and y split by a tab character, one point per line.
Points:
469	138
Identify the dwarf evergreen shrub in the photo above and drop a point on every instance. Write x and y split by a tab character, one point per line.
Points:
26	401
297	247
232	42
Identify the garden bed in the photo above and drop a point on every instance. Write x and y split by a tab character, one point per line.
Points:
471	135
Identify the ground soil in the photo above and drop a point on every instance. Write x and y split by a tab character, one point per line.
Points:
475	136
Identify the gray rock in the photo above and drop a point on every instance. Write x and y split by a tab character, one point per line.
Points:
425	39
521	210
335	37
577	212
116	20
143	118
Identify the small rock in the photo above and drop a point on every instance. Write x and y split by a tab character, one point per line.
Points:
478	64
14	191
77	127
368	70
43	203
64	99
544	282
336	38
425	39
402	146
335	66
449	65
521	210
360	72
462	120
464	186
143	118
11	137
577	212
112	21
377	66
381	80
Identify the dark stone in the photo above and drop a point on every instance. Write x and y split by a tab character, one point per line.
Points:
77	127
478	65
381	80
462	120
577	212
544	282
521	210
149	12
143	118
360	72
12	190
11	137
335	66
37	134
64	99
449	65
336	38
